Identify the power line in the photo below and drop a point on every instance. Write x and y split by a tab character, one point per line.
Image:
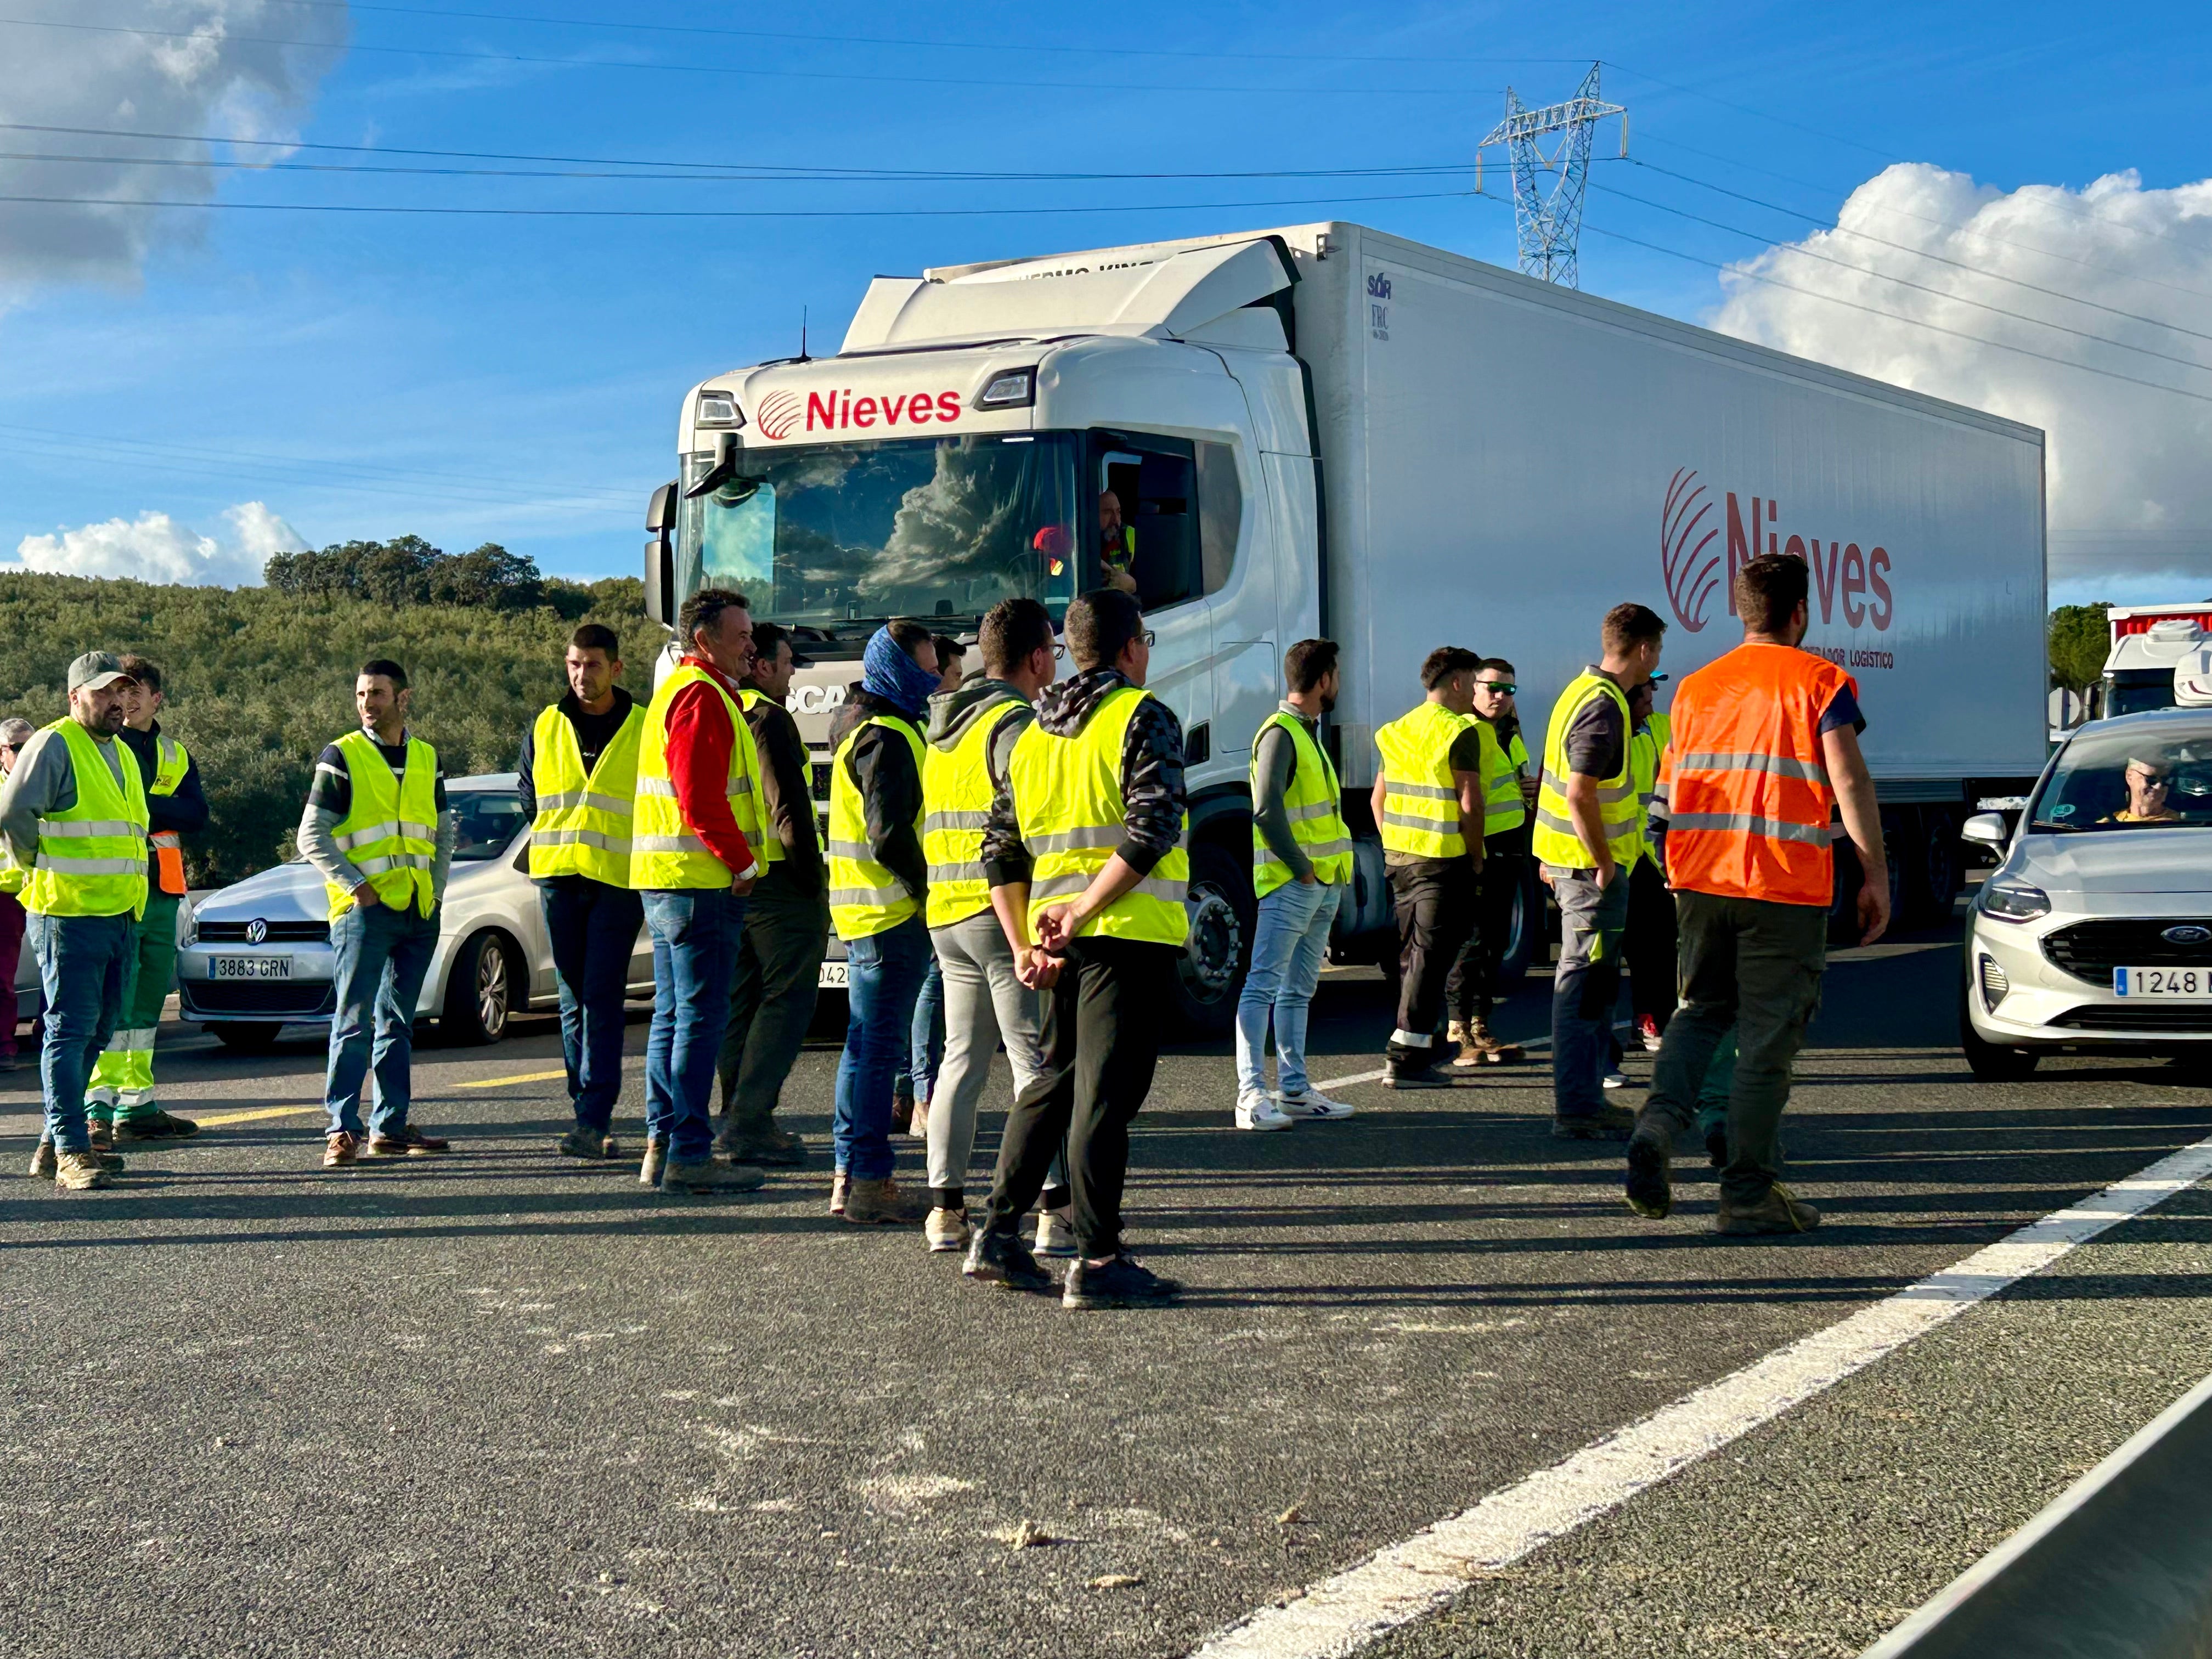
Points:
998	82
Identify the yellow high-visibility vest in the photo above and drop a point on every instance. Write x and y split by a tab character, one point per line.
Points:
1645	747
1420	798
92	858
956	794
1555	841
583	826
865	898
1315	802
663	853
1067	799
771	846
1503	807
390	831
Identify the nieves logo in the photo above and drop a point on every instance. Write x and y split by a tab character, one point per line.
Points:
783	412
775	415
1849	584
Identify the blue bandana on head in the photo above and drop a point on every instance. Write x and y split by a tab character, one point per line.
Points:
888	672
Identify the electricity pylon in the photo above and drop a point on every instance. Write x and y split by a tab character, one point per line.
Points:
1548	227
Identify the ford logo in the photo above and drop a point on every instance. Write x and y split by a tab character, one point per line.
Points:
2187	933
257	931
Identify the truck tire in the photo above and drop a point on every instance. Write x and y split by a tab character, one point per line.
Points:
1212	971
481	989
1990	1062
1934	874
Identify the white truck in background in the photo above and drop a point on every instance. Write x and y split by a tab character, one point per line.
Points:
2157	650
1324	430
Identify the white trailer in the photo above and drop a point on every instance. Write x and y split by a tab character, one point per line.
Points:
1325	430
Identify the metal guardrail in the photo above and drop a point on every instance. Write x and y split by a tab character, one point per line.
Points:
2118	1567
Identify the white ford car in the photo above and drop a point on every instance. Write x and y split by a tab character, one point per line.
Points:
2095	932
257	955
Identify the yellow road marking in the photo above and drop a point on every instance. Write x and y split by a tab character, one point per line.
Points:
265	1111
525	1076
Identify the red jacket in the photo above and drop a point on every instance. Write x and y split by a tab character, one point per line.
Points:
700	737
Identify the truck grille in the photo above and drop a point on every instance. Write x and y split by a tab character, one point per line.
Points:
275	999
289	932
2091	949
2110	1017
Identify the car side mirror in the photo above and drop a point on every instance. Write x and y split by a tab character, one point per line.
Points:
1985	830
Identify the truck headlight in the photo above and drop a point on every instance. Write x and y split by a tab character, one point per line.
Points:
1015	389
720	409
2010	900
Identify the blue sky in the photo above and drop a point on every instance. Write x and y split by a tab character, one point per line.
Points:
515	379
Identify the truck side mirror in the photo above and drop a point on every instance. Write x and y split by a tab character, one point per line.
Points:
1985	830
660	557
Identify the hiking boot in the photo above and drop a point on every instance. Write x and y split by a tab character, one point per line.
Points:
1260	1112
1607	1123
339	1149
999	1259
156	1125
1648	1028
772	1146
102	1135
583	1141
1055	1234
382	1147
1313	1104
1120	1283
902	1111
81	1172
1478	1048
1716	1145
841	1188
947	1229
1777	1212
705	1177
42	1162
655	1162
1650	1191
880	1203
1456	1033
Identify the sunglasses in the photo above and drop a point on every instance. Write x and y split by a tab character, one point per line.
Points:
1502	688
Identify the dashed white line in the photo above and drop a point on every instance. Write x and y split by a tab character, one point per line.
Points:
1344	1614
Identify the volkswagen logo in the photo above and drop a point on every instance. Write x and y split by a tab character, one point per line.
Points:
257	931
2188	933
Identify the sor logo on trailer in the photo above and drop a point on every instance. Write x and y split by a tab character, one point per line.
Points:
1849	584
777	414
1378	309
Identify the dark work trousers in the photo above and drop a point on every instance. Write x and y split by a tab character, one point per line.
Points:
1100	1040
1473	983
593	928
771	1001
1434	901
1649	947
1752	967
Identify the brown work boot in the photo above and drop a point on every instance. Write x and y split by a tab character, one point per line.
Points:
340	1150
1777	1212
81	1172
1495	1053
42	1162
584	1142
155	1124
872	1202
102	1135
772	1146
654	1163
705	1177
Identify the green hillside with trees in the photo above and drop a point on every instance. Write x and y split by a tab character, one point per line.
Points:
259	678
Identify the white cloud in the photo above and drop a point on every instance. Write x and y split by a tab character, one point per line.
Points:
154	547
200	67
2131	496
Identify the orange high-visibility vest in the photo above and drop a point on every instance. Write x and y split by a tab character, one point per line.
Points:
1749	795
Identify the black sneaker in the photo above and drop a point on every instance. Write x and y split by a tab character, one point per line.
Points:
1120	1284
1003	1258
1423	1077
1716	1145
1607	1123
1650	1192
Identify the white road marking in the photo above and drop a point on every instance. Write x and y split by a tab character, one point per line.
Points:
1341	1615
1536	1045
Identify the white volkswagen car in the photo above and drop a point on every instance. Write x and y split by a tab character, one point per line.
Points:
2095	932
257	955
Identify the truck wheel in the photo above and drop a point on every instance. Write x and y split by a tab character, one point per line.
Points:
1936	868
1525	934
481	989
1211	972
250	1037
1990	1062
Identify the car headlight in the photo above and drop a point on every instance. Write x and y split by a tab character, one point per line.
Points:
190	935
2010	900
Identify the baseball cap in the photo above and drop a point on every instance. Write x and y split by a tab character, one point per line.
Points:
94	670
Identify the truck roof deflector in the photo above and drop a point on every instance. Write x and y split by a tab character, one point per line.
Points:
1161	299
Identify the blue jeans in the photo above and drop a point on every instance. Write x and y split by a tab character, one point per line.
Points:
1288	944
593	928
382	955
695	934
926	1042
883	980
80	966
1585	989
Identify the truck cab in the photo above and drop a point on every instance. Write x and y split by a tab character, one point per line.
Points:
2150	645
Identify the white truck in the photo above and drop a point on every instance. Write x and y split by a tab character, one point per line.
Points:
1327	430
2156	652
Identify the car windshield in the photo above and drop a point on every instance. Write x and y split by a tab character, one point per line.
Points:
488	822
832	536
2151	776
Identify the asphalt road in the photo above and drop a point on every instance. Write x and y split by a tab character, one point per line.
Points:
500	1404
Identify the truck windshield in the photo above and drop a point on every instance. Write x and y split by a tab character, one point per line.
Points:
2138	690
832	534
2147	778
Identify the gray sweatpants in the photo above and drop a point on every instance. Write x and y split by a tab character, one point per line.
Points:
985	1004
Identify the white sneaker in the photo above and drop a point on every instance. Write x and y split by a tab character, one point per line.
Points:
1260	1112
1055	1234
1616	1080
1314	1104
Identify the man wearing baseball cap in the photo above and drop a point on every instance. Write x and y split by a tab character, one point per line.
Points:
73	810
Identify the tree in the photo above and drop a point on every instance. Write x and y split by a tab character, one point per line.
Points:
2079	638
489	576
